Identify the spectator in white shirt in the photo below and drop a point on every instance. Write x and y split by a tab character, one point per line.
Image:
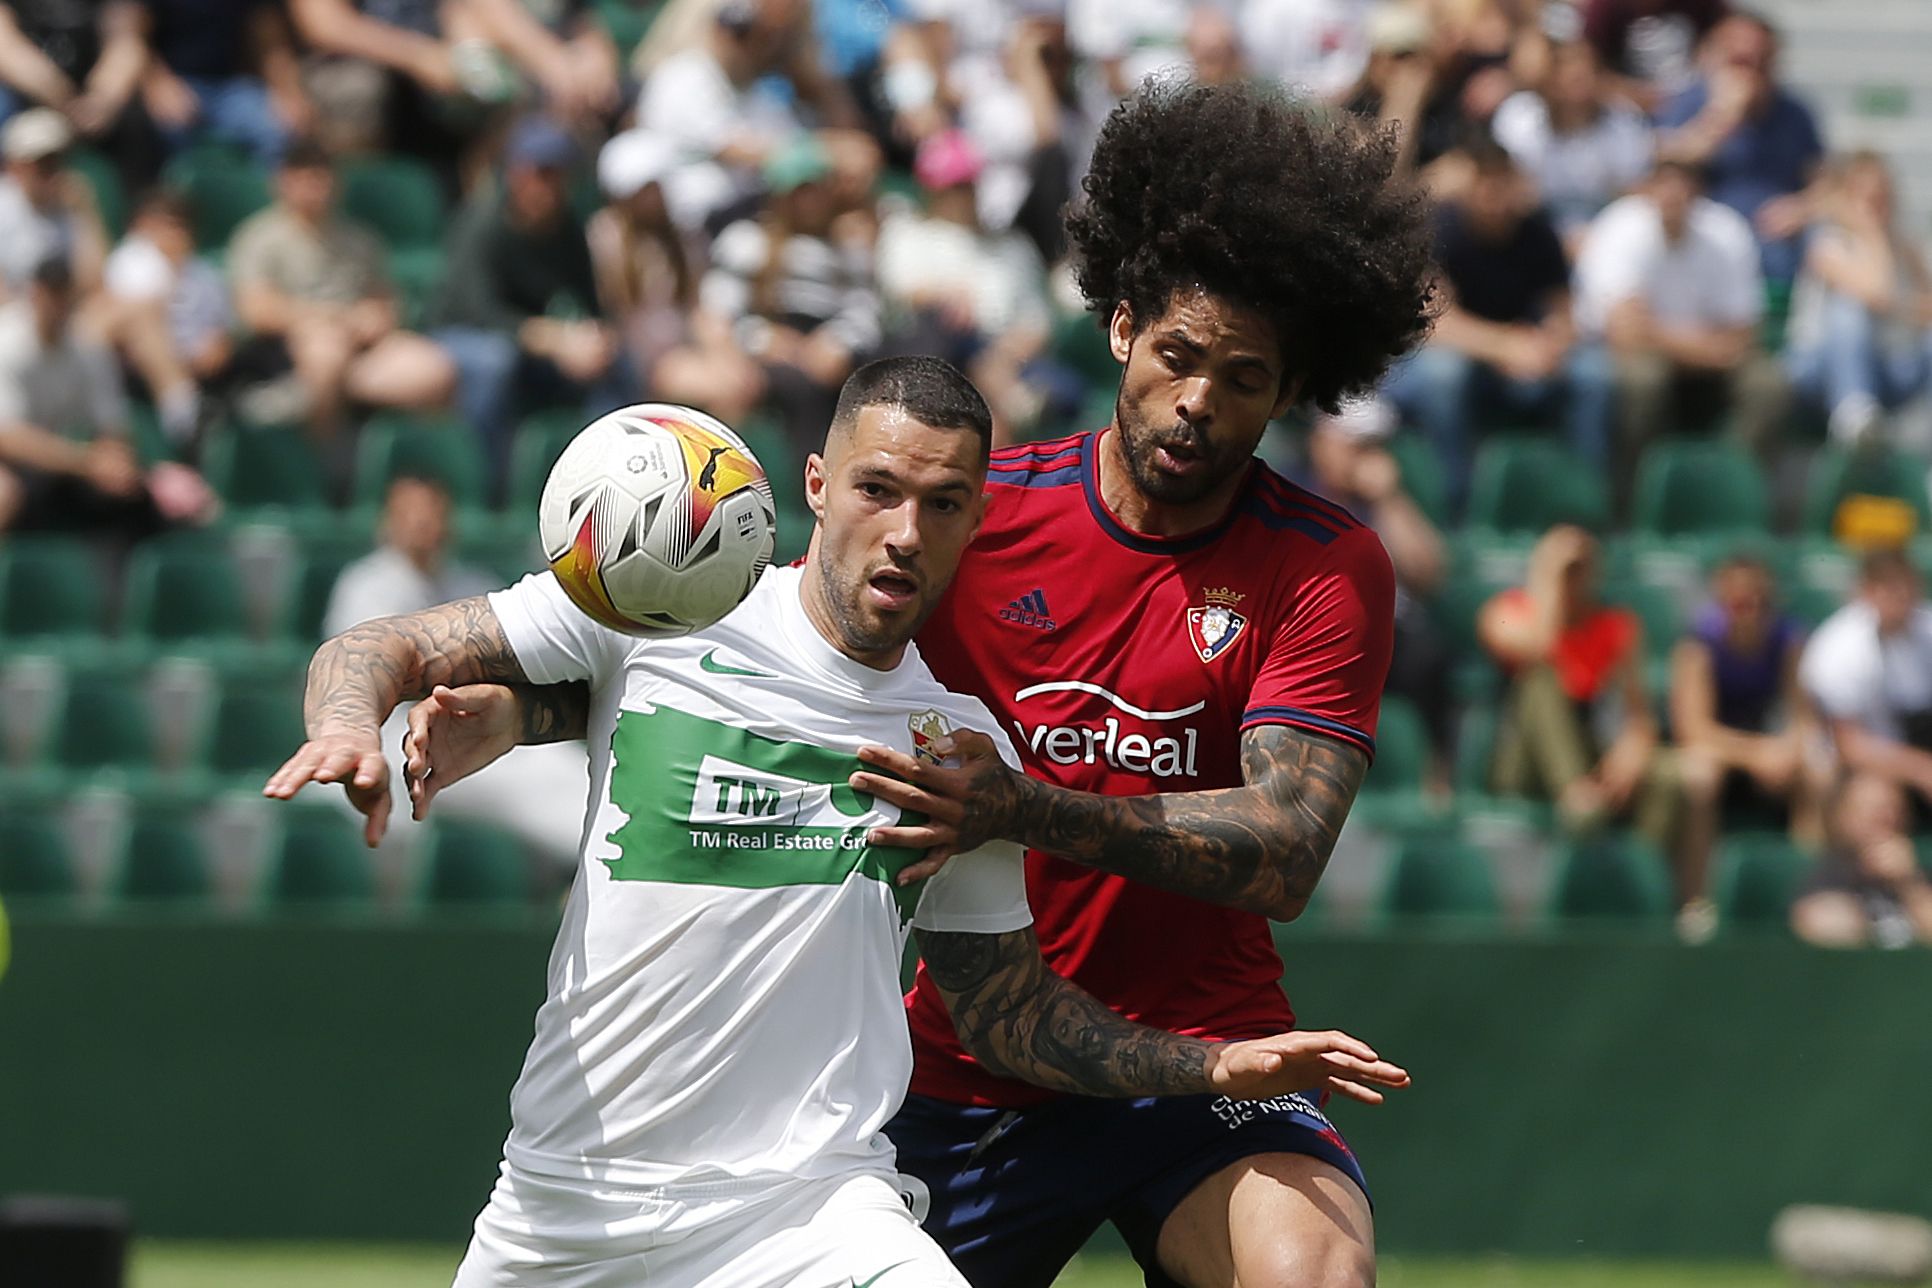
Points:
1868	669
972	296
168	310
1668	281
721	104
1315	47
411	570
1582	147
45	207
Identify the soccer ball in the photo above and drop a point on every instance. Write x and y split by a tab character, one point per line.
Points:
657	520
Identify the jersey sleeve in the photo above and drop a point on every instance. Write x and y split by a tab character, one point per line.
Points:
1329	659
553	639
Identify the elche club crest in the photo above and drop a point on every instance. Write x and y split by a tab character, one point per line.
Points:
1216	624
927	728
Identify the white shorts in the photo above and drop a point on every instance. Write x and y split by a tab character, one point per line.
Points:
848	1232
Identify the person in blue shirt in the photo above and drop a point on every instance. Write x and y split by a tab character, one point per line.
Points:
1758	145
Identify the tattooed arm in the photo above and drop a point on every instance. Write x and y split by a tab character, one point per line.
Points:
455	732
1260	847
356	679
1021	1020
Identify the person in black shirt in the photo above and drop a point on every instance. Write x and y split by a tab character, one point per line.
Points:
1504	343
225	70
84	59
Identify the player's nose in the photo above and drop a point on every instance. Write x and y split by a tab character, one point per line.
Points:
1194	401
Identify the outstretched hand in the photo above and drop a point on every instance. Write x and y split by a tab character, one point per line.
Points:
968	799
452	734
1314	1061
353	759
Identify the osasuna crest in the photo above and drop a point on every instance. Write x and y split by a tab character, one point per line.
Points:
1216	624
927	728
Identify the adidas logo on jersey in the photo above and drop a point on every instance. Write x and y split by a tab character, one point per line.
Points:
1030	610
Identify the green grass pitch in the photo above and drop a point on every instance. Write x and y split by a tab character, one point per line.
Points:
213	1265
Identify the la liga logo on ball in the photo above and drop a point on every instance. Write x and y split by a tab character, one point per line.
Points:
657	520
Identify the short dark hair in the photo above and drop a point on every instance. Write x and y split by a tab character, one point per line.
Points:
1291	211
167	203
930	390
1888	563
54	272
307	154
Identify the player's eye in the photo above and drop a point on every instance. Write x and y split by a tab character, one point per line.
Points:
945	506
874	491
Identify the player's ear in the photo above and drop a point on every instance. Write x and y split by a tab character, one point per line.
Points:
1120	332
815	484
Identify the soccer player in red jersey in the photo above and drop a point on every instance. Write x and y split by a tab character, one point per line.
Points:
1189	652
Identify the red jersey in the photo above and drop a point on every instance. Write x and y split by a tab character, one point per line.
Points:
1128	664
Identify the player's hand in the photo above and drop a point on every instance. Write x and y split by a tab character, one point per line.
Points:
352	758
968	799
1323	1061
452	734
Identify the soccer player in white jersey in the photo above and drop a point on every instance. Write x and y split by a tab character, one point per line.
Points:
723	1038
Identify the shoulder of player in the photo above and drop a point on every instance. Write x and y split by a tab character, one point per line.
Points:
1292	513
962	710
1053	462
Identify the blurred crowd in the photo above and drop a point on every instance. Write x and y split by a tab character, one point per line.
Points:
568	205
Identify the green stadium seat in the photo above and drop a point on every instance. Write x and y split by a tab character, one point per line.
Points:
1656	606
110	198
1079	342
50	591
539	441
319	860
1401	748
442	448
313	582
34	858
628	23
1610	875
256	725
223	186
163	859
1439	876
1524	484
474	864
103	725
1423	477
397	196
417	274
266	468
183	590
1837	473
1694	486
1758	875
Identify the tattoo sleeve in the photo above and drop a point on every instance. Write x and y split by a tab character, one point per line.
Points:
552	712
1260	847
1021	1020
357	678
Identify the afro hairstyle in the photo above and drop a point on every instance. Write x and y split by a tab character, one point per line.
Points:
1288	210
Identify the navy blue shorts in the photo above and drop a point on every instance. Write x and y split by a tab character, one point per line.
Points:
1015	1193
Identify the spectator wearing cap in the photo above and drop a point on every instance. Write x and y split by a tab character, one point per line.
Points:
1349	462
46	209
225	71
318	283
1868	891
647	280
1860	340
1758	145
1735	700
1576	141
65	458
974	297
1868	670
1667	283
518	308
801	299
84	61
1505	341
1648	48
736	99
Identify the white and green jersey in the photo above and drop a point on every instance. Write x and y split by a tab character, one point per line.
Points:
724	993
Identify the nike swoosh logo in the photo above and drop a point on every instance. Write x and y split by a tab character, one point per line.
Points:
710	663
882	1274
